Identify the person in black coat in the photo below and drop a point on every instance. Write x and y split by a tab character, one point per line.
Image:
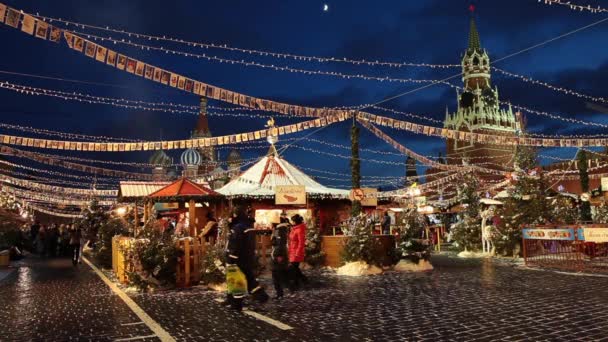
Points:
386	224
240	250
280	258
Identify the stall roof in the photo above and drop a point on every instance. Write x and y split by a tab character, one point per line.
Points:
270	171
183	187
132	189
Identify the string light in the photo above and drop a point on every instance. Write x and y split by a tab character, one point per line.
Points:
35	186
575	7
53	173
254	64
72	166
116	102
59	134
100	185
25	195
252	51
550	86
53	212
345	147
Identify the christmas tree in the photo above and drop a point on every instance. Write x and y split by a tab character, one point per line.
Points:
411	245
93	218
601	213
467	232
360	244
314	255
527	205
564	210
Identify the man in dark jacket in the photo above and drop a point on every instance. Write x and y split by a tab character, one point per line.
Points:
241	251
280	258
386	224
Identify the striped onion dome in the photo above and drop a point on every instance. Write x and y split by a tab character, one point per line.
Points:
191	157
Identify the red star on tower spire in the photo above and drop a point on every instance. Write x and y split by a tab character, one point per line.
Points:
472	8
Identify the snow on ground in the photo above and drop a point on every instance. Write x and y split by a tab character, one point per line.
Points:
358	268
409	266
467	254
217	287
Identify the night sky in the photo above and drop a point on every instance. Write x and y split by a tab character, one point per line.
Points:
398	31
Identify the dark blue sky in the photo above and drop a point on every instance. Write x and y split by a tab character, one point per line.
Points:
414	31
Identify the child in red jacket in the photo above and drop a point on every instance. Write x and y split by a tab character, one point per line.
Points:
297	245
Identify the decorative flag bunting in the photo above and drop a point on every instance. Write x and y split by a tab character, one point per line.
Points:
174	144
154	73
2	12
57	189
5	150
28	23
420	158
478	137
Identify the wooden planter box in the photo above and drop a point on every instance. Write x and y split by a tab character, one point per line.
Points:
333	246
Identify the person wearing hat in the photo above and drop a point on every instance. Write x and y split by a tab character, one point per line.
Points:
240	251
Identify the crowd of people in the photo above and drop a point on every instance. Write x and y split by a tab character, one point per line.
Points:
288	251
57	241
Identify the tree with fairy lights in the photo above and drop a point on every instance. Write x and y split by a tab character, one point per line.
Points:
467	231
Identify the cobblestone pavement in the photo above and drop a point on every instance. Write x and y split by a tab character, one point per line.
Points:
51	300
461	300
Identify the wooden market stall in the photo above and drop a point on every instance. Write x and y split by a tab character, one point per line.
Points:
257	188
192	200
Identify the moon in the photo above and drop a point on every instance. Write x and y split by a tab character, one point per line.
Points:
325	7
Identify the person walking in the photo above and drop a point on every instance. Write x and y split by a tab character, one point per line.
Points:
279	257
386	224
210	231
240	251
51	241
75	238
40	241
34	229
297	245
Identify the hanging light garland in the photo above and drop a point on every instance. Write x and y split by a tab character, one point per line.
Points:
54	173
575	7
41	179
252	63
251	51
56	189
550	86
53	212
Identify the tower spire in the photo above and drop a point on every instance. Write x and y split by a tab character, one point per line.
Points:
474	42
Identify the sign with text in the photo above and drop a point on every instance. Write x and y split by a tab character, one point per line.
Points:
598	235
370	197
290	194
565	234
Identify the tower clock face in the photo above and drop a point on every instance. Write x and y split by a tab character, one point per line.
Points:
489	97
